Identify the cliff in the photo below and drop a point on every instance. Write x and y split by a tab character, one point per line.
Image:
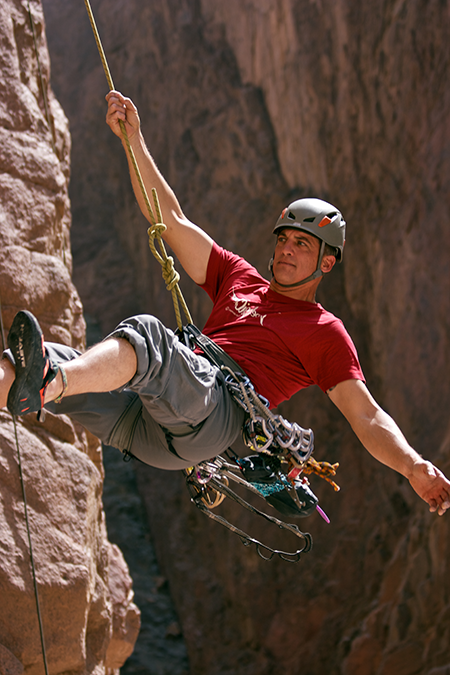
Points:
89	621
244	106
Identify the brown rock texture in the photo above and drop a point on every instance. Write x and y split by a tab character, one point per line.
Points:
245	105
89	621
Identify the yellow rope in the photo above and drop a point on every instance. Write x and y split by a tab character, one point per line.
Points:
170	275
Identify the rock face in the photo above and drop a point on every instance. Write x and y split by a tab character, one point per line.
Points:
244	106
89	621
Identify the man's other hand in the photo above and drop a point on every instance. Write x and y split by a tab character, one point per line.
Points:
121	108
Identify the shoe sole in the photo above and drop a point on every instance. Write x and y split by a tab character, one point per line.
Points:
26	342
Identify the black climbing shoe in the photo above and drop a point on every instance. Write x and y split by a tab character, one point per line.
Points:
34	370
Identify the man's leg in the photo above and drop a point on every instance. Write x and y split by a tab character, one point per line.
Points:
108	366
181	391
181	394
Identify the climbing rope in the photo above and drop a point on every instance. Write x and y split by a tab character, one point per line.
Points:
170	275
27	522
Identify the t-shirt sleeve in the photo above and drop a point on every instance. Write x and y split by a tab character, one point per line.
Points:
223	267
334	358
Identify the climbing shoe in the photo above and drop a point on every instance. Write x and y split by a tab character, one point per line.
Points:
34	370
263	472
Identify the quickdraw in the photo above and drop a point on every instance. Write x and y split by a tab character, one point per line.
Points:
212	477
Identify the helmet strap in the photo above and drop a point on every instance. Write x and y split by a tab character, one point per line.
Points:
315	275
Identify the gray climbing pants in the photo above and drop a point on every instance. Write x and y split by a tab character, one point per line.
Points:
175	412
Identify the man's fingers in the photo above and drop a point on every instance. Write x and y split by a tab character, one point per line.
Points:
433	505
440	508
116	111
114	94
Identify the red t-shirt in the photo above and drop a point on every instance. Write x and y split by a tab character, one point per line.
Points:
283	344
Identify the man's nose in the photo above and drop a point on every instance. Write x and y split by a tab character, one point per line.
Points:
288	247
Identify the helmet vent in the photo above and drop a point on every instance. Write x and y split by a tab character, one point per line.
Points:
332	214
291	215
309	220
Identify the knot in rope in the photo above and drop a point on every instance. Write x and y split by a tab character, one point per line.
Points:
158	226
169	273
156	230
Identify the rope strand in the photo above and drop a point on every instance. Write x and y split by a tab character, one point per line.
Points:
27	522
170	275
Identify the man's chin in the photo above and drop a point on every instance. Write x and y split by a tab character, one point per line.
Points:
285	274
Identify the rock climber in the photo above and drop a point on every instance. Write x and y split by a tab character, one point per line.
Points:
143	391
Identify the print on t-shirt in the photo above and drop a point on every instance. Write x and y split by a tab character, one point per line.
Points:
243	308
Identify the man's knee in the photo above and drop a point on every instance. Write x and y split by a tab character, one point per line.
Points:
152	342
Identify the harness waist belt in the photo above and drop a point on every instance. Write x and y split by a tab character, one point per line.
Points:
215	354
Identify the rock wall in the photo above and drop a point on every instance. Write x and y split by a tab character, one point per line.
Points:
245	105
89	621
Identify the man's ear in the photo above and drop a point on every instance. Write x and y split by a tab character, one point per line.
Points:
328	262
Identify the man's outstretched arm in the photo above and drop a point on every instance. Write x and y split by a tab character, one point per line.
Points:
381	436
191	244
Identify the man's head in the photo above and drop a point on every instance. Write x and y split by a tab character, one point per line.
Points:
305	221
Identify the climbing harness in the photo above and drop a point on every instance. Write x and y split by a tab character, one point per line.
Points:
263	430
283	453
283	449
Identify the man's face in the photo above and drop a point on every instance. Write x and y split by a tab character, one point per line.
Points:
296	255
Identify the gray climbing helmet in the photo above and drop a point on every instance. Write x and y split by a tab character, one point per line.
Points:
316	217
